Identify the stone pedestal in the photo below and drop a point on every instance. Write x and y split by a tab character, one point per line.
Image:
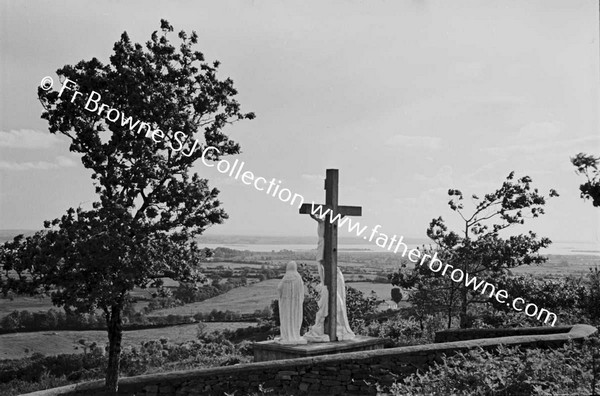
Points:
271	350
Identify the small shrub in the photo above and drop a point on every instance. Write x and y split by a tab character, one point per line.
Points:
401	331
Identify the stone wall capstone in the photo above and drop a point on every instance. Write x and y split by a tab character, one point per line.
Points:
473	334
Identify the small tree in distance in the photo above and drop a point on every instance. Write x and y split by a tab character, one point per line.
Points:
587	165
150	207
396	295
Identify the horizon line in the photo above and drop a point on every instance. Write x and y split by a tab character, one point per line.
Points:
18	230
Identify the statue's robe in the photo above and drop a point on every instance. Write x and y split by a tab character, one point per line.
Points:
291	298
317	331
343	330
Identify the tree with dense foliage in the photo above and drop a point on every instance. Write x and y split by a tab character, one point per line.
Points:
150	207
478	249
587	165
574	298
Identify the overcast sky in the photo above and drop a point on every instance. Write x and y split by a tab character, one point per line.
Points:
406	98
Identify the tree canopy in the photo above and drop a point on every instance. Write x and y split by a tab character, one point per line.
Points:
587	165
479	248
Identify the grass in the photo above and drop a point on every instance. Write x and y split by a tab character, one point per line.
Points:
246	299
19	345
32	304
257	296
561	265
243	300
228	264
383	290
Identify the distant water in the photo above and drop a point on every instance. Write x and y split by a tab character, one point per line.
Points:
572	248
294	247
562	248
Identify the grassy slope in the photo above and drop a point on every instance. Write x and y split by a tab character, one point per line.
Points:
13	346
257	296
245	299
249	299
561	265
31	304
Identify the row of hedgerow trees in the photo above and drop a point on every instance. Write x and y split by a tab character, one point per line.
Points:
149	205
484	248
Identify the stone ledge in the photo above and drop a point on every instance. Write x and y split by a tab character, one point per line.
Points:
271	350
471	334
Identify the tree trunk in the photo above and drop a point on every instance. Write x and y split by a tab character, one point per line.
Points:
463	310
115	335
450	307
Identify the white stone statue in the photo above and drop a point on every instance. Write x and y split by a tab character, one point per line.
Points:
317	331
291	297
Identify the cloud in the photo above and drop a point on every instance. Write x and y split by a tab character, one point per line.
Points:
469	70
408	202
224	181
64	162
544	146
27	139
488	168
61	162
443	177
313	178
428	142
535	131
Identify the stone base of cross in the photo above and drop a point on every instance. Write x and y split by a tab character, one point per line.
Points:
330	243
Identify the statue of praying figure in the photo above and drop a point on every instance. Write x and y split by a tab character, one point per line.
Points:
291	297
317	331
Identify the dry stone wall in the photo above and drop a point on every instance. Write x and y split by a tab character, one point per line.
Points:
355	373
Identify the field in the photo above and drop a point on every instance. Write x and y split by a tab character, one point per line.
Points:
245	299
31	304
383	290
561	265
257	296
19	345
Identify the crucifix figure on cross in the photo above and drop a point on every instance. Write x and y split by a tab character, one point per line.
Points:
332	305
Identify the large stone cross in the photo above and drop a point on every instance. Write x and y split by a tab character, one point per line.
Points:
330	245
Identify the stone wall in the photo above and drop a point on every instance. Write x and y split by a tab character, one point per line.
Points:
355	373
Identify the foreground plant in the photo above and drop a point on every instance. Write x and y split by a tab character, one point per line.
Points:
573	369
